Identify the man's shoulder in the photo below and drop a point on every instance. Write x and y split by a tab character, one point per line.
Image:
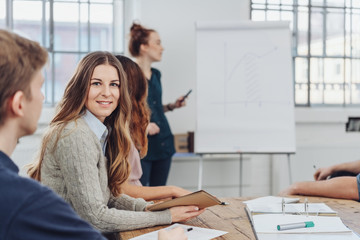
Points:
29	208
19	193
19	189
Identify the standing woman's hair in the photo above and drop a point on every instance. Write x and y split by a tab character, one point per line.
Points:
138	35
72	107
140	112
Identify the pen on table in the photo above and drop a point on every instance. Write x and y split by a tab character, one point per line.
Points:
283	206
189	229
289	226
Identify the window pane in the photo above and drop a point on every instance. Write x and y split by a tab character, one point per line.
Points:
303	29
316	70
355	71
101	18
119	28
355	81
66	26
355	38
65	65
287	2
334	81
286	16
317	32
348	94
301	93
334	70
101	1
335	3
2	13
301	90
335	33
258	15
259	1
27	19
83	28
273	16
48	84
348	29
303	2
258	7
317	81
355	4
317	2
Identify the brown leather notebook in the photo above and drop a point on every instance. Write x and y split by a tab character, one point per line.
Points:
201	198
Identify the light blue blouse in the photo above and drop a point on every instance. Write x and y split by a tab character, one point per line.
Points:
97	127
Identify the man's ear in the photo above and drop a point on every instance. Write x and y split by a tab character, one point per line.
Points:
16	104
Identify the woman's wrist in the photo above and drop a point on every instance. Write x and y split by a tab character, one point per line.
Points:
170	106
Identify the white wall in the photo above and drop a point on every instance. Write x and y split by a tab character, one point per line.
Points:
320	133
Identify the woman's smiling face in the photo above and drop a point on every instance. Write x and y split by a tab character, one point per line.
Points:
104	93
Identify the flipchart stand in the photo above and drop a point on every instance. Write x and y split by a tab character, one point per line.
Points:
201	168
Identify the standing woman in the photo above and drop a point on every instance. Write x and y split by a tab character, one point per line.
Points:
145	46
84	154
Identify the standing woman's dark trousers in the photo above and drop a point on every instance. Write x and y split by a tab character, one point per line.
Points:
155	173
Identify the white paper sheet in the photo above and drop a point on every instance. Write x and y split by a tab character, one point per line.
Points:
196	233
317	236
267	223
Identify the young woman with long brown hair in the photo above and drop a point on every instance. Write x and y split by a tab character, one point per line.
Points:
140	119
84	154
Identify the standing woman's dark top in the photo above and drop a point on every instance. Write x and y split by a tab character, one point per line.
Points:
161	145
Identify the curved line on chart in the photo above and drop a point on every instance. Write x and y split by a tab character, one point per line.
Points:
246	56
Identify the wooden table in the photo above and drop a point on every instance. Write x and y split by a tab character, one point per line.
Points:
232	218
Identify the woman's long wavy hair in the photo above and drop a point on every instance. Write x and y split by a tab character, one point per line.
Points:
72	107
140	112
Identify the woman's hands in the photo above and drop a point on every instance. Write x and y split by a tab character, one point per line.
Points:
323	173
152	129
184	213
180	102
178	192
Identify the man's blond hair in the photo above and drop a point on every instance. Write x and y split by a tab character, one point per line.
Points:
20	59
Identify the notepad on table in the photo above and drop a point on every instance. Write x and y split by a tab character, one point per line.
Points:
267	223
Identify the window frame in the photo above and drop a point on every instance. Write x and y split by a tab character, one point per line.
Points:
265	6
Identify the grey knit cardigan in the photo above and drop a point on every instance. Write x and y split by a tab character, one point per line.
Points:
77	171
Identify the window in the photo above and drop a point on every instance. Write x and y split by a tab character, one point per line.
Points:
68	29
2	14
326	47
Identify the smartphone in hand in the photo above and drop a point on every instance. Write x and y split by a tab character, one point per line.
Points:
187	94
